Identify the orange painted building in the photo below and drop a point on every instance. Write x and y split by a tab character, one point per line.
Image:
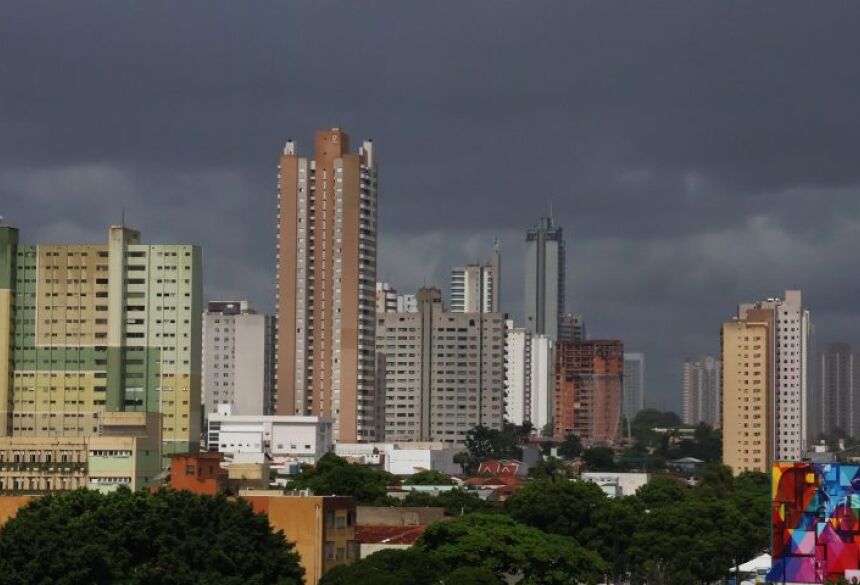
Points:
200	473
9	506
323	528
589	390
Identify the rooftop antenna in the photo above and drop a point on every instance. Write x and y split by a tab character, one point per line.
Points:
551	218
123	218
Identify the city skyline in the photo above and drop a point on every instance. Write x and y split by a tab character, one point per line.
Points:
659	220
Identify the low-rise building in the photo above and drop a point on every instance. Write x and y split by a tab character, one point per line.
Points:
125	451
284	439
615	484
323	528
404	458
200	473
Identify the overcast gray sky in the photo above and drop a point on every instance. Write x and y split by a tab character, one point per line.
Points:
696	153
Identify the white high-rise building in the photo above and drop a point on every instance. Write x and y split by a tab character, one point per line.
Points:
407	304
386	298
634	384
545	274
700	393
518	374
475	288
542	394
238	365
790	330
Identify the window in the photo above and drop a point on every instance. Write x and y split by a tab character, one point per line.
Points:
189	470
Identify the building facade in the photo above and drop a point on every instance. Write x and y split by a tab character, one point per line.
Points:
572	328
87	329
238	358
747	410
634	384
282	439
326	276
700	391
518	359
542	395
126	451
475	288
444	372
545	278
588	390
836	393
789	334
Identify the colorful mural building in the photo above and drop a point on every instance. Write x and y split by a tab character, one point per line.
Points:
89	329
816	523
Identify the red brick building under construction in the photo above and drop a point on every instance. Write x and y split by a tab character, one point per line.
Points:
588	390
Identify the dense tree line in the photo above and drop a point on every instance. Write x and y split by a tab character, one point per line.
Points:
551	523
85	537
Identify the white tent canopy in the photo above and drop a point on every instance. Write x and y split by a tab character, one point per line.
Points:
760	563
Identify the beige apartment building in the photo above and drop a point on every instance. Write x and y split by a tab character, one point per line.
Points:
747	398
326	279
443	372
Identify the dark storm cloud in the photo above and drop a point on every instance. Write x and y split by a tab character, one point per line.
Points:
697	154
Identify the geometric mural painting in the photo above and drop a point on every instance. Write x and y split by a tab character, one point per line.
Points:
816	522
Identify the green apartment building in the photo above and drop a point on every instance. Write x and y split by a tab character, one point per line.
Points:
87	329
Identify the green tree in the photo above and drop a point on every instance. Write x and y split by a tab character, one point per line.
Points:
85	537
560	507
550	468
333	475
510	549
571	447
390	567
456	502
648	419
429	477
471	576
483	443
661	491
599	459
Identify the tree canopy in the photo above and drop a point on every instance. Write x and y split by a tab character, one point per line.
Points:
570	448
85	537
333	475
429	477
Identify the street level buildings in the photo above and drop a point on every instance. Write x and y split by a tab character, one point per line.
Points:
475	288
238	358
588	390
545	278
89	329
326	277
444	372
700	391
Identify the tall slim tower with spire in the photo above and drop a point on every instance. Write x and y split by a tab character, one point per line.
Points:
545	275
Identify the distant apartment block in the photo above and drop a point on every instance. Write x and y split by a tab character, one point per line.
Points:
542	395
545	278
634	384
518	361
588	390
700	391
444	372
88	329
326	277
475	288
238	358
748	429
835	392
788	327
572	328
389	301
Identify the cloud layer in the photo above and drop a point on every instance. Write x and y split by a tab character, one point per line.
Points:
697	154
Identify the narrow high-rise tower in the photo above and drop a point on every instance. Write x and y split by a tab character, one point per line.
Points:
544	286
326	274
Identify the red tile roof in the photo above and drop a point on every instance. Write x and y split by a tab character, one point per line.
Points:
388	534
